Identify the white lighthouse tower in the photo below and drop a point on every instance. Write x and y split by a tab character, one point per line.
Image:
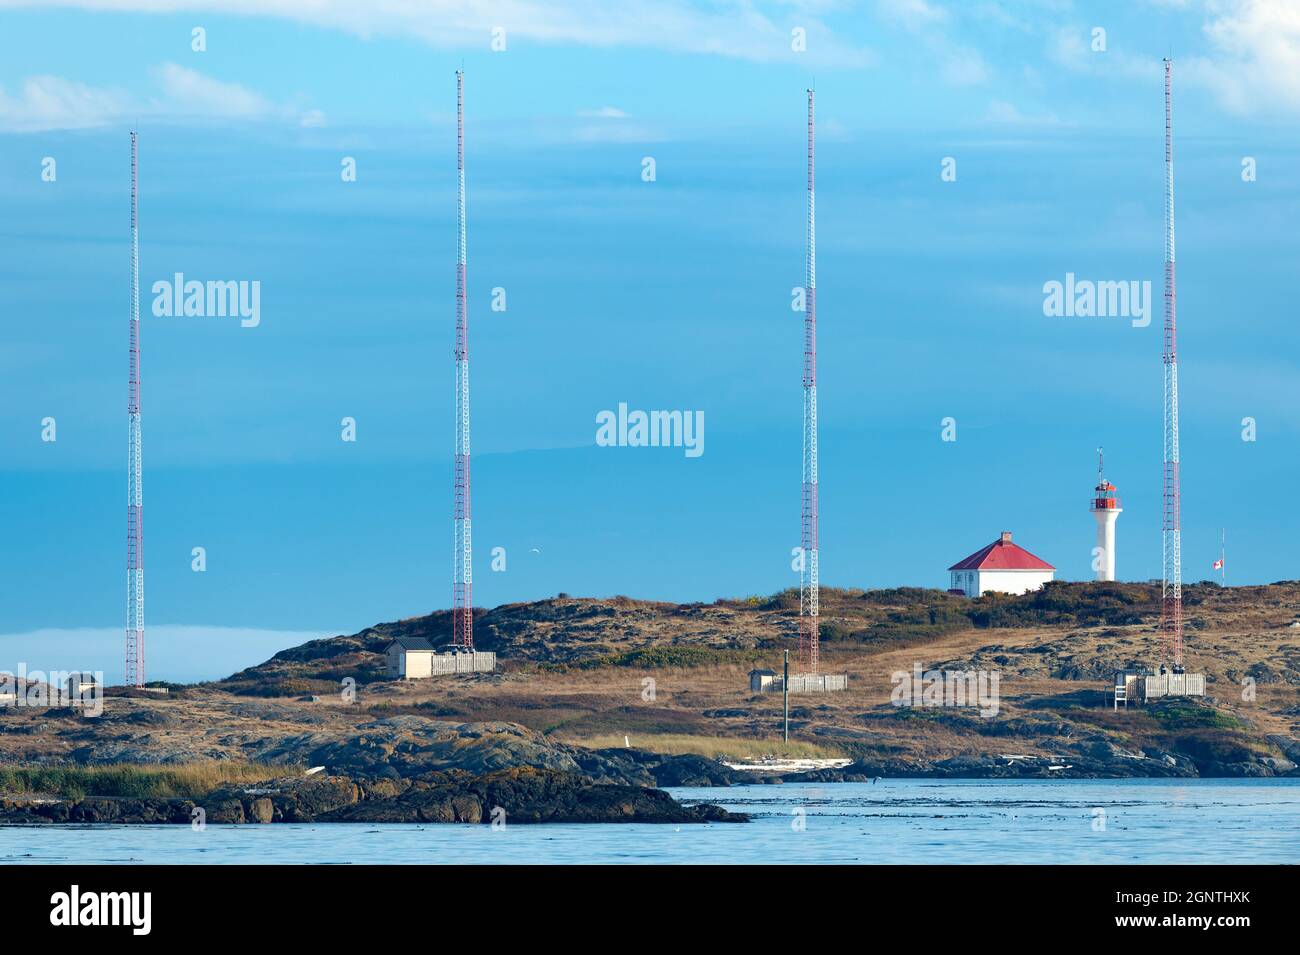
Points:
1106	509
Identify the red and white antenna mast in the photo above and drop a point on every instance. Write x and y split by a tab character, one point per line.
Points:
462	566
808	591
134	491
1171	591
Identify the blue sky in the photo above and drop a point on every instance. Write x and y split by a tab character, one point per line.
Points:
665	295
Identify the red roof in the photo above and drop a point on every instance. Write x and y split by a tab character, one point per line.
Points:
1002	555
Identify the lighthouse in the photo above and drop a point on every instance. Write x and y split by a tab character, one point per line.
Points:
1105	508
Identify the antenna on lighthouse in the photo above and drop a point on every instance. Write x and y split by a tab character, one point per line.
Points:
1106	509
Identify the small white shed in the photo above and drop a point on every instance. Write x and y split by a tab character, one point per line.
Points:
409	658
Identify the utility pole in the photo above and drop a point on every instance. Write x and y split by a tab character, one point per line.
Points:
785	693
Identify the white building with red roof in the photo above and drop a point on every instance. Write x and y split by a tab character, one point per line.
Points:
1003	567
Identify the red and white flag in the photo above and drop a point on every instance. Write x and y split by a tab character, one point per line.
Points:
1218	564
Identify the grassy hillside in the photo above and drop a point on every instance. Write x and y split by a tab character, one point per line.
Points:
602	672
567	633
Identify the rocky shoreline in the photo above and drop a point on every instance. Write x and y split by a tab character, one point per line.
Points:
1085	759
610	785
534	739
511	796
422	771
1106	761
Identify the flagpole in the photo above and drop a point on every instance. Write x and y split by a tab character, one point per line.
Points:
1223	564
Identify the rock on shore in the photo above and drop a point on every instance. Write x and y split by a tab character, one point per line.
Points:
518	795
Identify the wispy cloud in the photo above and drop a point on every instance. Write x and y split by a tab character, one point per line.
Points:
1252	65
616	134
963	66
196	93
53	102
744	29
1071	47
913	14
609	124
959	64
1255	66
1002	113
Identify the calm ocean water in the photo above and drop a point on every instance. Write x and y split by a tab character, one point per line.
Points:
893	821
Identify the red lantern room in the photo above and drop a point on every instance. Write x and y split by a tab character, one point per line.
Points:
1104	497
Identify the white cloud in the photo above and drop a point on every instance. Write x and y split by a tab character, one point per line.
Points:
959	65
608	124
195	94
51	102
732	28
964	67
1002	113
993	12
1255	67
913	14
1071	47
1252	66
1068	47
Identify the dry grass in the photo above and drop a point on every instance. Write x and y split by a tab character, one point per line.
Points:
713	747
709	708
185	781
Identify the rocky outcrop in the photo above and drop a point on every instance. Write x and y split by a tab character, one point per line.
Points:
643	768
519	795
406	746
527	796
1289	745
25	812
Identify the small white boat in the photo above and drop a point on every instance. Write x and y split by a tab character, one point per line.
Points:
773	764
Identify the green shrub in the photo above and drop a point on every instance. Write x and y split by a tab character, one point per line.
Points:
1185	714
